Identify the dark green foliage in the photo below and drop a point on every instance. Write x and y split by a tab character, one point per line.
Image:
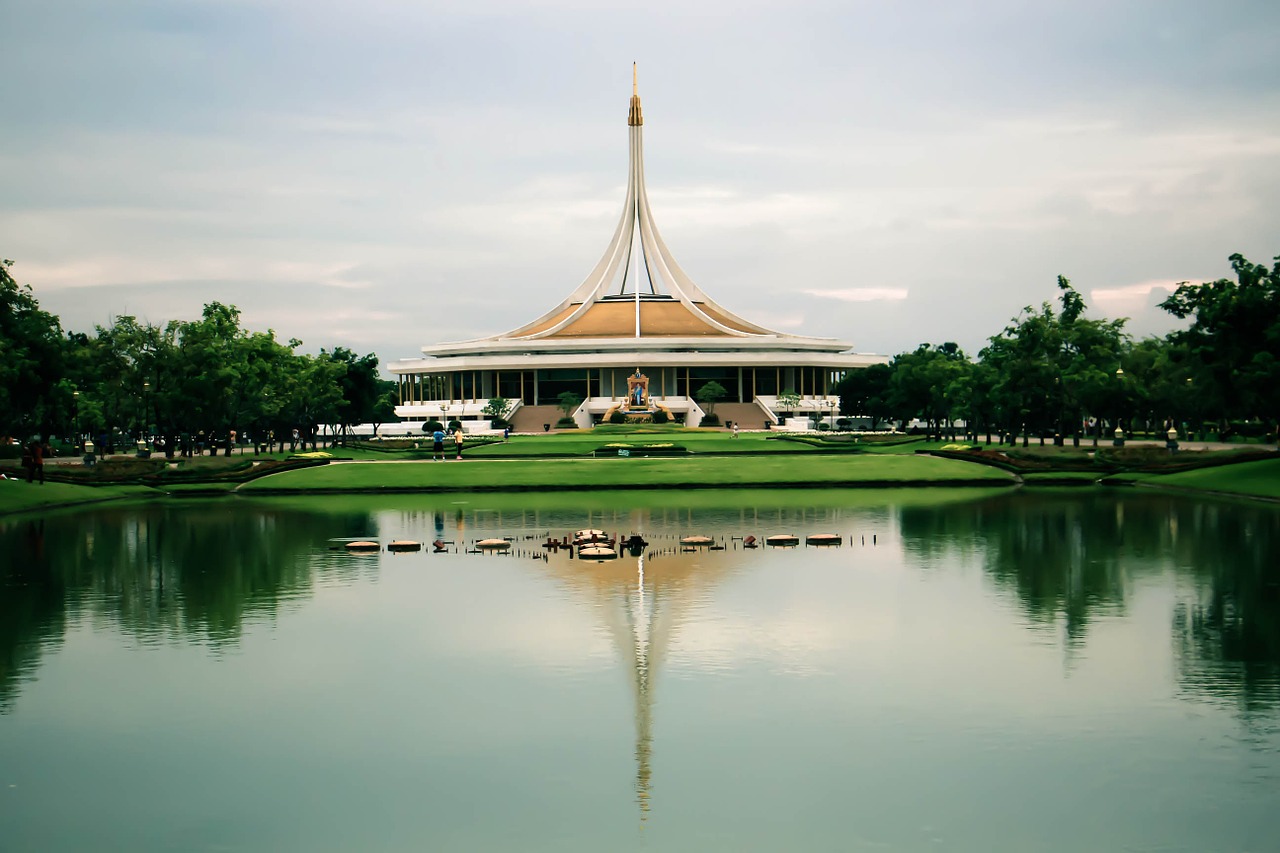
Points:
710	394
31	363
660	416
618	417
568	401
1232	349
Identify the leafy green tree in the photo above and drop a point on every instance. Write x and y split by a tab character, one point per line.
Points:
384	411
31	360
360	387
1234	338
568	401
926	384
710	394
496	409
866	393
1053	365
788	400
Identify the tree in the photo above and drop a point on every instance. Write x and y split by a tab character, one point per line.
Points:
31	360
926	384
1050	366
1234	337
788	400
497	407
384	411
865	393
710	394
360	387
568	401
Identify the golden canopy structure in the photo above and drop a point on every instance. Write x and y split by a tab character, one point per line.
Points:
637	314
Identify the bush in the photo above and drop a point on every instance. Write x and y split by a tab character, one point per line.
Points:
455	425
711	420
844	423
618	417
824	426
432	426
659	416
566	423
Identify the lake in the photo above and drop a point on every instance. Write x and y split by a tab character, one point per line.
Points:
967	671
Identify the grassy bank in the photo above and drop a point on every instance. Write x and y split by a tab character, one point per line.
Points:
17	496
1256	479
687	472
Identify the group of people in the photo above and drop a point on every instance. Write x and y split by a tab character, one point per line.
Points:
437	444
33	456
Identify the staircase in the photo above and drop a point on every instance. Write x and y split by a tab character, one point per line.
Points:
531	418
749	415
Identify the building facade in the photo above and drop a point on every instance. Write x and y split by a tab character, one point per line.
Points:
637	312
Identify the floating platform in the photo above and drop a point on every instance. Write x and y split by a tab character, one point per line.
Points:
782	539
824	539
597	552
493	545
696	541
363	546
404	545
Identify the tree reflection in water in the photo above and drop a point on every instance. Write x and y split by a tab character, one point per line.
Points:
1072	556
172	572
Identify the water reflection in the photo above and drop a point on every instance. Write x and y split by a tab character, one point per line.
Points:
1073	557
196	572
734	699
175	572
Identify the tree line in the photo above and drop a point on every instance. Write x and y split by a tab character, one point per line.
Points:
1054	372
143	380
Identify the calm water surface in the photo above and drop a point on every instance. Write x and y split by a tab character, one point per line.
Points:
967	672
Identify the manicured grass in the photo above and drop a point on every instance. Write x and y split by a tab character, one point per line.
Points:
18	496
687	472
1257	479
583	443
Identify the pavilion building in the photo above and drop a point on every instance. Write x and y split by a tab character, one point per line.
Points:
636	336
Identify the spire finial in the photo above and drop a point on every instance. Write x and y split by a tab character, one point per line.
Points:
634	118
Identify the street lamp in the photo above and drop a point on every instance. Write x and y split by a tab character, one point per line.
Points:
146	395
75	418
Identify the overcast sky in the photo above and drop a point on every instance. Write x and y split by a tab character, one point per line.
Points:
386	174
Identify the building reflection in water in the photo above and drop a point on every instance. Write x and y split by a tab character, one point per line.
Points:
644	601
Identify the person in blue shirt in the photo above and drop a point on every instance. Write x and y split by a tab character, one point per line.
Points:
437	445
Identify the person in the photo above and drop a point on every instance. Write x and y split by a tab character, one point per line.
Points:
457	440
437	445
735	429
37	451
506	433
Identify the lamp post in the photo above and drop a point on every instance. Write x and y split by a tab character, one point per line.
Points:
75	418
146	397
1119	431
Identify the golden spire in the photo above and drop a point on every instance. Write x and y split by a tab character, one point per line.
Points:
634	118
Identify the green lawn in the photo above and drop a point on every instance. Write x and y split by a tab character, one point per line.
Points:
583	443
1256	479
721	471
18	496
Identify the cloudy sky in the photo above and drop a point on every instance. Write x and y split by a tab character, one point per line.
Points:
386	174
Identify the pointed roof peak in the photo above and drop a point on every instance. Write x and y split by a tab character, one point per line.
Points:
634	117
